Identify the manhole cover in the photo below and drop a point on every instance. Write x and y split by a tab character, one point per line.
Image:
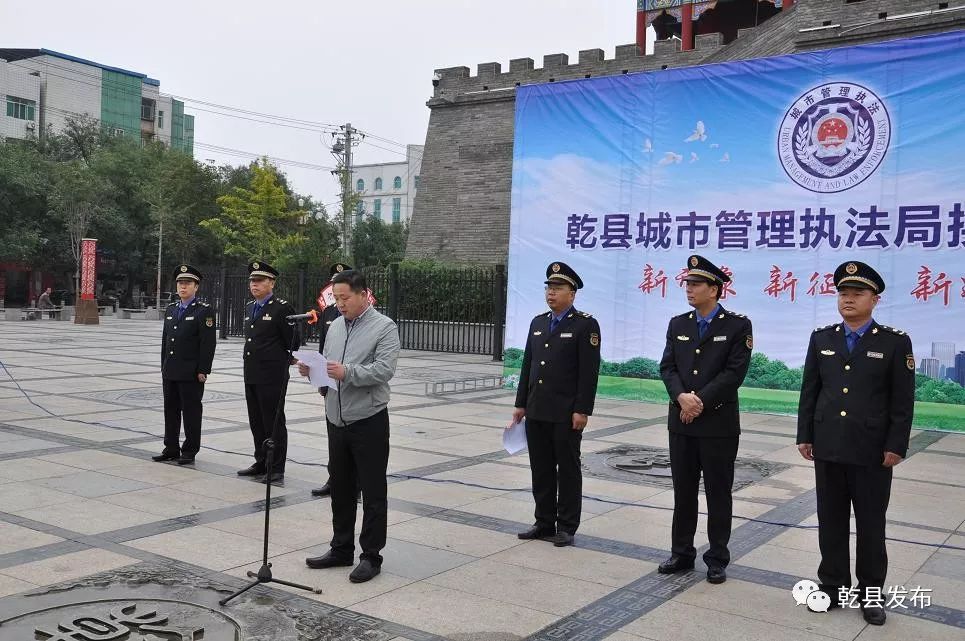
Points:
651	465
148	396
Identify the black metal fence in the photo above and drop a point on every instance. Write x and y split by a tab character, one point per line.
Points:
439	310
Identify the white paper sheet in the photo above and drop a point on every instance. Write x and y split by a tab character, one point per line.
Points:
317	372
514	437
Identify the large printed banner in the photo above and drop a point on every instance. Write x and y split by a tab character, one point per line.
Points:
778	170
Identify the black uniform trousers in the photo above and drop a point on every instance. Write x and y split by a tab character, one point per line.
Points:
554	460
263	400
358	456
182	399
868	488
714	456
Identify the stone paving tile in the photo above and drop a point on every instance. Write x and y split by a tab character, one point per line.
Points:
14	538
449	612
67	567
87	516
208	548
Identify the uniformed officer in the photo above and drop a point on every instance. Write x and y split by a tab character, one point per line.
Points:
325	319
705	360
187	351
557	389
854	420
268	341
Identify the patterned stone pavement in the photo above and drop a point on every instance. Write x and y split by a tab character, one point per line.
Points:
85	516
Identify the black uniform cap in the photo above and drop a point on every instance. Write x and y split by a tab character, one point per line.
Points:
187	272
857	274
258	269
699	269
338	268
562	273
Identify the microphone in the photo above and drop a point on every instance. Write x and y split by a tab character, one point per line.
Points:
311	316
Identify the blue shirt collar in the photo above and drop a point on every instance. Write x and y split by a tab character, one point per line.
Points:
184	305
709	317
264	302
564	313
860	331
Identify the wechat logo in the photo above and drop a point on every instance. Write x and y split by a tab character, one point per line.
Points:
806	592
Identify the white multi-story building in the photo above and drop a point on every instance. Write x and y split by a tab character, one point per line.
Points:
930	367
40	88
945	353
387	190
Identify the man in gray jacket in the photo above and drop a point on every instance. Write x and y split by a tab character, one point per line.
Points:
361	348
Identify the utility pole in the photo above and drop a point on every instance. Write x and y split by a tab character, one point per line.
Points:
342	150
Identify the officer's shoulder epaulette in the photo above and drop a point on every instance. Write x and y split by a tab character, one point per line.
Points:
584	314
736	314
282	301
204	305
684	315
250	302
543	315
893	330
171	304
824	328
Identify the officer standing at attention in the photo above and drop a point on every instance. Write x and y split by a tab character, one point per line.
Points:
854	420
329	314
187	351
705	360
268	339
557	390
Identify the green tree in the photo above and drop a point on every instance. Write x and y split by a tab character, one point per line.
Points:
375	242
256	222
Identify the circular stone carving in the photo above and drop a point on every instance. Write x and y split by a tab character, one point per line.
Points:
123	620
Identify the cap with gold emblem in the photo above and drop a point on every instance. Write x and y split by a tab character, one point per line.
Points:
558	273
187	272
259	269
338	268
699	269
859	275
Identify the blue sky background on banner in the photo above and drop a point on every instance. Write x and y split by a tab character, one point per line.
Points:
618	145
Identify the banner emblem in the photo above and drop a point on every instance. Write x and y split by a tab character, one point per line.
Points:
833	137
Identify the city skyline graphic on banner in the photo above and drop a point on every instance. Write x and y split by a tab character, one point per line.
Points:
778	169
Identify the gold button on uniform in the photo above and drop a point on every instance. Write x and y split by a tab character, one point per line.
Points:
542	362
695	371
845	390
847	367
540	381
546	345
248	353
249	340
697	351
172	353
843	413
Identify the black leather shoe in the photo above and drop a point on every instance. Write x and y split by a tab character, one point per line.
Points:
325	490
537	532
254	470
165	456
874	616
561	540
274	477
364	571
716	575
327	560
186	459
674	564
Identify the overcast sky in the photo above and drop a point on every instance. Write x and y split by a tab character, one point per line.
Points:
368	62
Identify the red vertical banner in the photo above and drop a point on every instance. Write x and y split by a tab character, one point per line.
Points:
88	268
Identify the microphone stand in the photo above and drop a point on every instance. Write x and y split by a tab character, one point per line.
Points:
264	574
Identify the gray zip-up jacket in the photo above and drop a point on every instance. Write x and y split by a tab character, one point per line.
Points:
369	348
